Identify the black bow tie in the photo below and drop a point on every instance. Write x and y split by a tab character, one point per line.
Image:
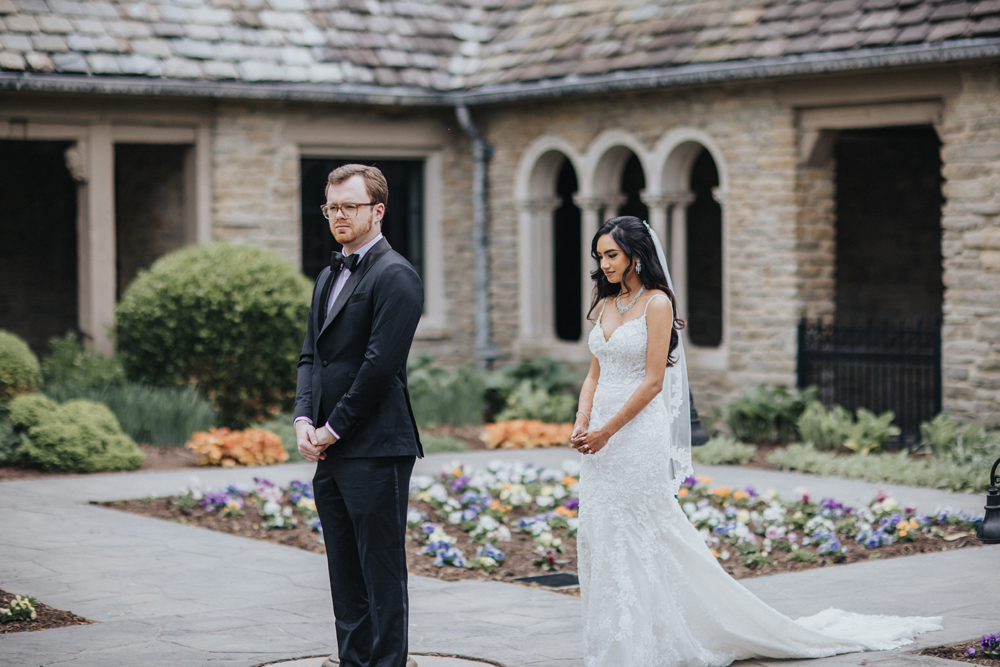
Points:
338	262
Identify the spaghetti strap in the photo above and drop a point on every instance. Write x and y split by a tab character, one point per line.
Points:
603	306
650	301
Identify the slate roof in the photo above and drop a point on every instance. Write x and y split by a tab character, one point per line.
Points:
435	47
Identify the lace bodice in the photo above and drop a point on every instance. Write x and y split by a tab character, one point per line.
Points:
623	356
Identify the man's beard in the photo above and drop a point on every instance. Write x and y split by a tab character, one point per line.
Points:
358	233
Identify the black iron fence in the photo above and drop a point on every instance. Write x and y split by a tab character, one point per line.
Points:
876	366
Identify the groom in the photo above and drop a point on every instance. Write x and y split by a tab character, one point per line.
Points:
353	417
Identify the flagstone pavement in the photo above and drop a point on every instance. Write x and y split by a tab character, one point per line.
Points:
167	595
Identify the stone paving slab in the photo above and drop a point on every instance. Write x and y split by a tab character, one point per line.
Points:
167	594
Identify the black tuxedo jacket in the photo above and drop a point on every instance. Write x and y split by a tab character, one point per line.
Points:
352	370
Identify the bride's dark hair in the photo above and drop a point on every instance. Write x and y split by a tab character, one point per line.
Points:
633	237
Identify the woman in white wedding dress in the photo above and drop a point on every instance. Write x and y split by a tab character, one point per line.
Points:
653	594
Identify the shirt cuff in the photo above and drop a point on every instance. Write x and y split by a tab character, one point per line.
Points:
297	419
332	432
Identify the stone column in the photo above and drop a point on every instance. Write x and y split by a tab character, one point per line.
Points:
676	207
96	243
536	282
658	214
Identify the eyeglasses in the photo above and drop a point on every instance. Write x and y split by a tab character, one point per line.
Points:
350	210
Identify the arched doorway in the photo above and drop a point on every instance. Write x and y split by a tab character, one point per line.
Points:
633	182
704	255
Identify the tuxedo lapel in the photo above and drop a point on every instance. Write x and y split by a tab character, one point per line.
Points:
365	265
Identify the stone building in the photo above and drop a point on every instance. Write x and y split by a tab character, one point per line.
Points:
796	157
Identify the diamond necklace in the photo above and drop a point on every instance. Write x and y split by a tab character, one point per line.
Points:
618	301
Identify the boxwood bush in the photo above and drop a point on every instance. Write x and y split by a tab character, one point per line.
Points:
76	436
19	368
228	319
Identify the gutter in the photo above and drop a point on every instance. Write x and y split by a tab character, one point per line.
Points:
486	351
683	75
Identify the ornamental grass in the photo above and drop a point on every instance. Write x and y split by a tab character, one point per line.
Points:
526	434
228	449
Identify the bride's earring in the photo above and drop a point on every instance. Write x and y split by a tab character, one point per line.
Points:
638	267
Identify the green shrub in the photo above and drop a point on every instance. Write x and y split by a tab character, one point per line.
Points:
543	374
228	319
767	415
527	402
441	444
835	428
967	444
69	363
826	429
442	396
20	372
10	440
77	436
283	427
161	416
894	468
722	450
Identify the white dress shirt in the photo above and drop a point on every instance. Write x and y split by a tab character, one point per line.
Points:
338	287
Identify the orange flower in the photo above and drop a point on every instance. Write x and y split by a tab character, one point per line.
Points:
738	495
715	553
721	491
682	492
566	512
225	448
525	434
569	481
457	472
703	479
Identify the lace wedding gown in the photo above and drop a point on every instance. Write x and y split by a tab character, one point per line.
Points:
653	594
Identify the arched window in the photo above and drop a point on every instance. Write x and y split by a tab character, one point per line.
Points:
566	257
633	183
704	255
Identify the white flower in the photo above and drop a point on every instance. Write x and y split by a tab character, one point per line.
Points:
420	482
571	467
545	501
455	518
774	512
287	511
438	493
890	504
743	516
487	523
501	534
414	517
690	508
271	508
559	492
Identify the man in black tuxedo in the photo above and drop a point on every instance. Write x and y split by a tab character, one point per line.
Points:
353	417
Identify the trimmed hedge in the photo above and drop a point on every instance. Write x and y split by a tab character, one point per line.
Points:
20	372
76	436
228	319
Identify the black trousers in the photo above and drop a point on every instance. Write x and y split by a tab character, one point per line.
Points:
362	506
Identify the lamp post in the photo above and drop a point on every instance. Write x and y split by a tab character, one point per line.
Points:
989	529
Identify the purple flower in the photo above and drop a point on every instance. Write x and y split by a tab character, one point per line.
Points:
572	504
970	651
690	481
751	491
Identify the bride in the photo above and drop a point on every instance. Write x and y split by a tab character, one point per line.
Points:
653	594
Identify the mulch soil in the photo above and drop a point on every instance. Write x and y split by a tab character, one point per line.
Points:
957	653
47	618
519	551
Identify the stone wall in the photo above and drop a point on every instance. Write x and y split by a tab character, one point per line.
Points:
816	237
756	137
256	192
970	132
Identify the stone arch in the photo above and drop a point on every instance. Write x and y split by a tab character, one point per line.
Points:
677	156
538	204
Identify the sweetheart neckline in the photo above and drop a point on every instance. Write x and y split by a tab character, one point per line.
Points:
608	339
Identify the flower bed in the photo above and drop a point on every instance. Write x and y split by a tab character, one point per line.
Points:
512	519
43	617
984	651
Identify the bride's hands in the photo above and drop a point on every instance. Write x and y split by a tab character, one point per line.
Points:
589	442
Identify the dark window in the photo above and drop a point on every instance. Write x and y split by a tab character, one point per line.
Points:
633	183
38	241
889	224
403	224
704	255
567	247
150	206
